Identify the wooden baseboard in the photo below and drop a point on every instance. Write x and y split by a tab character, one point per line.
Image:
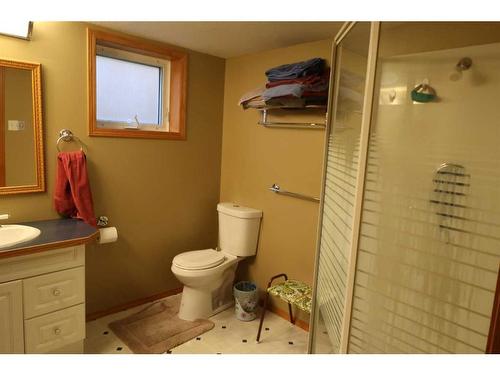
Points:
112	310
128	305
284	314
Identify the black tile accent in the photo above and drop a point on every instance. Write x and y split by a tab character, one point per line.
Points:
267	328
290	342
119	348
224	327
244	340
198	338
105	332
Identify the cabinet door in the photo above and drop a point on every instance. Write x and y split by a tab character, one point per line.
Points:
11	317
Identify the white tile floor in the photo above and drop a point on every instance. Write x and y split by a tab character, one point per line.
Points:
229	336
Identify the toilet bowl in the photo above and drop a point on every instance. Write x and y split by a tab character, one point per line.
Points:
207	288
208	275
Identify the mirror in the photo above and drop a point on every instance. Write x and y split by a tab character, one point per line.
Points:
21	141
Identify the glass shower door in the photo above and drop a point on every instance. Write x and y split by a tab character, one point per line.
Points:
342	167
409	246
429	245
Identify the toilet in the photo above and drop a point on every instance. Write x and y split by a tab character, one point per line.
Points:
208	275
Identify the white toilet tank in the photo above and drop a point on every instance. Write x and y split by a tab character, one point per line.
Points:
238	229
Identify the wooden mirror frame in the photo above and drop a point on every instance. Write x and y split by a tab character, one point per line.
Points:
36	95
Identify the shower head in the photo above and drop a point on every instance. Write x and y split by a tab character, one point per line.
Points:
463	64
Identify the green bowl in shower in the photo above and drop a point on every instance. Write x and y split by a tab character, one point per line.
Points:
422	97
423	94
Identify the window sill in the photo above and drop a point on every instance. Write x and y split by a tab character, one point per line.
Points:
134	133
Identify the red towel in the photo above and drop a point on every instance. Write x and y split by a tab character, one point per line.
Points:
72	195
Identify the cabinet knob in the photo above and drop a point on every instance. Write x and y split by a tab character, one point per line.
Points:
56	292
57	331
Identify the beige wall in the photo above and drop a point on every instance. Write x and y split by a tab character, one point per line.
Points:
253	158
20	167
161	195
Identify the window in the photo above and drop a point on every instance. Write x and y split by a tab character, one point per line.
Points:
130	93
137	88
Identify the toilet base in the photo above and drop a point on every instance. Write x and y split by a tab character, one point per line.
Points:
201	303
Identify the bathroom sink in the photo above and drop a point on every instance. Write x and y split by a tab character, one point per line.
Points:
11	235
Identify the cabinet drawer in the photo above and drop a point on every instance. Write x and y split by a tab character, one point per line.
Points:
53	291
23	266
52	331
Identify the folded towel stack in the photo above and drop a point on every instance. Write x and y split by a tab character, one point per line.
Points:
296	70
292	85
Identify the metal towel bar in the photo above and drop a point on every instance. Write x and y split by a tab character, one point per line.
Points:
276	188
264	121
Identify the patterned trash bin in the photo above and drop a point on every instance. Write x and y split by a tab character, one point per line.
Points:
246	298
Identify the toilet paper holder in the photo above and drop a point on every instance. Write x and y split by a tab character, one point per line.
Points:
106	234
102	221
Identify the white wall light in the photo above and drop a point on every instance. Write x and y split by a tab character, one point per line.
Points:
17	29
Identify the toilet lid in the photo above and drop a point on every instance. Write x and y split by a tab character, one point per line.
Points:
199	259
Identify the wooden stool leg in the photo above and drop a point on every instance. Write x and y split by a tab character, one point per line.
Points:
264	308
266	301
290	312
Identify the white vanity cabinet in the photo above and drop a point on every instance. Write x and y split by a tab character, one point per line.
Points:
11	317
42	302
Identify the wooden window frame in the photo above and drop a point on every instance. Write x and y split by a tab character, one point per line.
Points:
178	83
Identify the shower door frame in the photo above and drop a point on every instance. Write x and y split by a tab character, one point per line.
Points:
366	121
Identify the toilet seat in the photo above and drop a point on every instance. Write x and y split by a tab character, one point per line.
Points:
199	259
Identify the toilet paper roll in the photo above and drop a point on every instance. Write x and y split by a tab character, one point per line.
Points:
107	235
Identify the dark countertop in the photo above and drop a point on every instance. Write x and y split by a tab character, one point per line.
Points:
54	234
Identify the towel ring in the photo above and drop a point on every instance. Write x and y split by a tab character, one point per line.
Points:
67	135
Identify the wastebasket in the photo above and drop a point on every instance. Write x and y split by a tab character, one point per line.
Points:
245	298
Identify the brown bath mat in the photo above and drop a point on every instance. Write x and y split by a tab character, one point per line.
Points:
157	328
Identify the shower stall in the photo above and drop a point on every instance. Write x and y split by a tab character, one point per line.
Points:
409	234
